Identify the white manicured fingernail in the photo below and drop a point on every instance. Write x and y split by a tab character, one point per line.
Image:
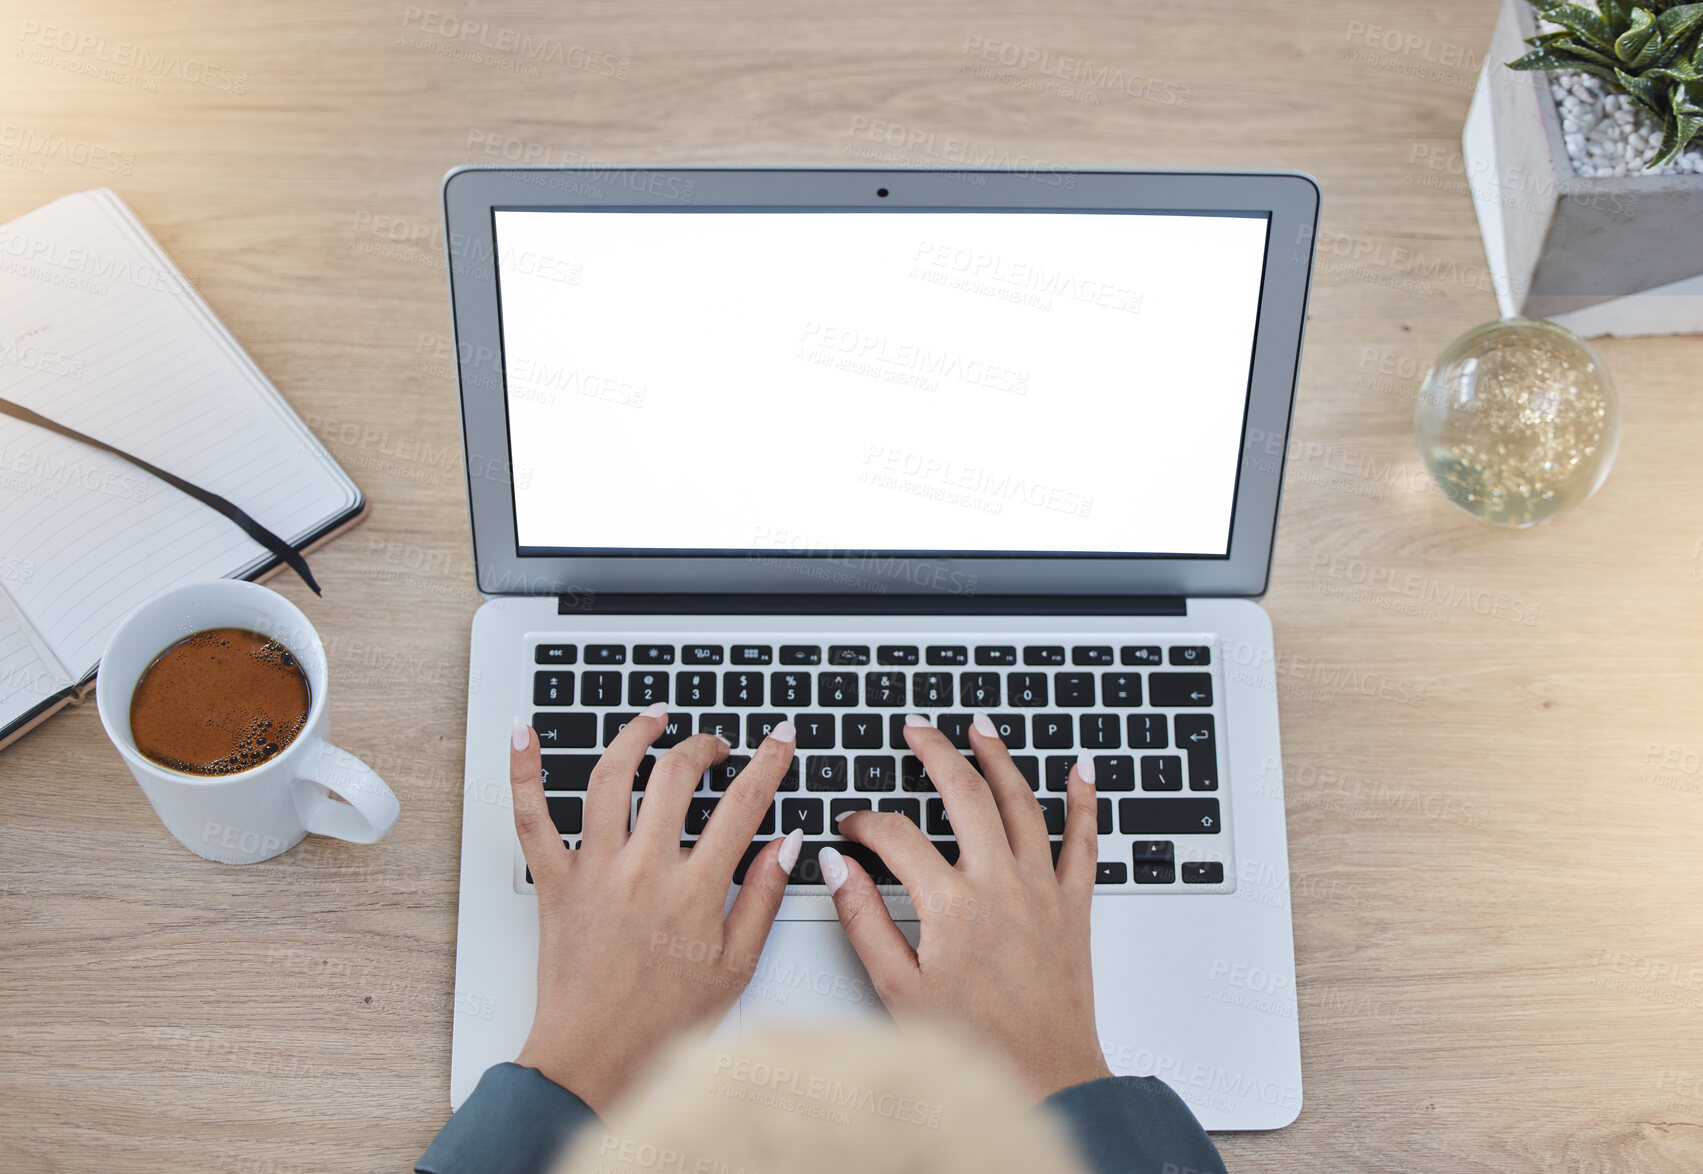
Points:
833	869
790	848
984	726
660	709
915	719
784	733
1085	768
520	737
722	738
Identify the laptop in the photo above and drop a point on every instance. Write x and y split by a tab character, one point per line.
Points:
837	445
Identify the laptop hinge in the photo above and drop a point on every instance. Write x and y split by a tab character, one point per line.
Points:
747	604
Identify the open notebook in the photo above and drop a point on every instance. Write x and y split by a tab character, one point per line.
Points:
100	332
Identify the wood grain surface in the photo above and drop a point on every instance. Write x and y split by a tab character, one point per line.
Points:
1491	739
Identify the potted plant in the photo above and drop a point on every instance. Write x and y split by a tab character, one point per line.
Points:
1584	151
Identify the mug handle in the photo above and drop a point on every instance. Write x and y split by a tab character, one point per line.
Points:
370	808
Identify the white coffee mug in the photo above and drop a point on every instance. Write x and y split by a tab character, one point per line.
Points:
257	813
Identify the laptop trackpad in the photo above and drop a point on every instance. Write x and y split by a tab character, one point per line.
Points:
809	973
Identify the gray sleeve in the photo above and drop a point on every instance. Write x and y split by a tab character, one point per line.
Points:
1135	1125
515	1122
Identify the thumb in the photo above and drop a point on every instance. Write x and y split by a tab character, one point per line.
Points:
882	949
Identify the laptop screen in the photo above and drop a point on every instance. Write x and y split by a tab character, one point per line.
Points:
948	382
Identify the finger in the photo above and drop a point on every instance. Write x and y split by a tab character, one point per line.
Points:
902	847
969	804
882	949
759	900
540	843
1079	858
1025	826
662	816
609	794
740	810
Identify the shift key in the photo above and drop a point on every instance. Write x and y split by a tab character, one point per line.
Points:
1169	817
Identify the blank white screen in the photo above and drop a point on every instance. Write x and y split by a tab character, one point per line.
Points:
929	381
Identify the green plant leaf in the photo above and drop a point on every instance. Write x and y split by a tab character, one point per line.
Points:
1652	96
1616	14
1638	45
1583	21
1683	73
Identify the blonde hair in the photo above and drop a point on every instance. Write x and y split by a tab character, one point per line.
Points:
826	1101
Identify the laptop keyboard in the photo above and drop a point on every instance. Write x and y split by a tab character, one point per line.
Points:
1148	712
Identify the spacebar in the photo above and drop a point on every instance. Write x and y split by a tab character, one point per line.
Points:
808	870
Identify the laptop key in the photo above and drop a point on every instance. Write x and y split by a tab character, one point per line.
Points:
742	688
1114	772
1120	690
1203	872
1030	768
752	654
1099	731
950	654
956	727
694	688
725	724
913	776
724	772
600	689
931	690
1053	810
701	654
552	688
1155	873
1147	731
1105	813
614	723
874	772
1176	817
935	818
1052	731
1058	771
801	654
980	690
1011	728
698	813
896	654
646	687
911	809
559	730
1074	689
557	654
790	688
1153	851
801	815
759	726
1179	690
1195	736
1046	654
839	807
653	654
1110	872
1092	654
825	772
860	731
605	654
996	654
848	654
675	729
1140	654
1029	689
1191	655
567	772
815	731
884	690
837	688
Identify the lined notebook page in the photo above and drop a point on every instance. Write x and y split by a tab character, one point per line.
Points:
100	332
28	675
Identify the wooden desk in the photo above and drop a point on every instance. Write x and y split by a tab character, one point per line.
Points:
1491	739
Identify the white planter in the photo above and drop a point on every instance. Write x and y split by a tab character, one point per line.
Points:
1619	255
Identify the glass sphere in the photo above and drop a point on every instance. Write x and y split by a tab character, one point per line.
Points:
1517	421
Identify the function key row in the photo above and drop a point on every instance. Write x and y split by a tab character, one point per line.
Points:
989	655
877	689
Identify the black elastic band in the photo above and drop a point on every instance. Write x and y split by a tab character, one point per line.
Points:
249	526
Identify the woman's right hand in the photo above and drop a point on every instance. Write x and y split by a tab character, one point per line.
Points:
1004	945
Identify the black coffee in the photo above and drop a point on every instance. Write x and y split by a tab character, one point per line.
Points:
219	702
